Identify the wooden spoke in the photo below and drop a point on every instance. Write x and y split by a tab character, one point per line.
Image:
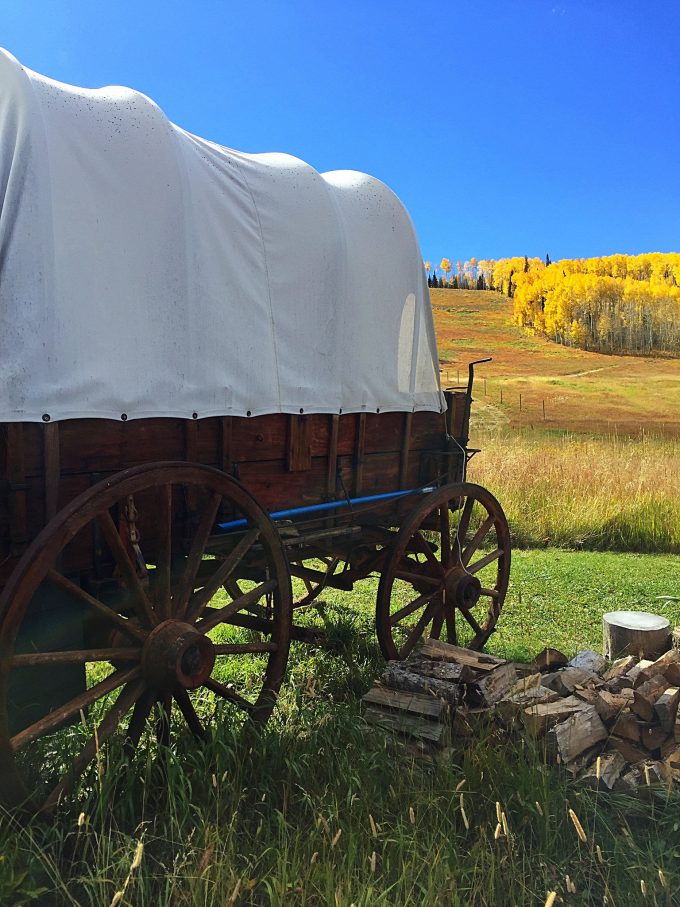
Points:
463	523
413	606
221	615
221	575
164	565
437	623
445	535
419	629
74	656
228	693
187	709
125	700
244	648
492	593
198	546
485	561
127	568
471	620
477	539
426	549
451	630
127	627
418	577
73	707
140	715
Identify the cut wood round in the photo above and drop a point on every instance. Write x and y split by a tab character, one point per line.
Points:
635	633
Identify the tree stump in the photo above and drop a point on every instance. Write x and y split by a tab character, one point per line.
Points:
635	633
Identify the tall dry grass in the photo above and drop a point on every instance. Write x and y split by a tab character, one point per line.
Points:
603	494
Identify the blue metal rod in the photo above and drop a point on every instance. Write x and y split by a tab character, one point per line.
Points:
330	505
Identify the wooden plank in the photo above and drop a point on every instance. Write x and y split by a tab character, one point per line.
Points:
331	477
299	451
225	443
52	468
415	703
16	478
359	451
399	722
405	449
435	648
398	676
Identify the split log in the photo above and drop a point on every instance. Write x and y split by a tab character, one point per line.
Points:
627	726
610	705
619	667
439	670
645	696
412	726
540	718
413	703
398	677
629	751
579	732
493	686
669	665
642	672
436	649
672	763
611	766
565	681
652	736
635	633
666	708
549	660
589	661
524	684
513	705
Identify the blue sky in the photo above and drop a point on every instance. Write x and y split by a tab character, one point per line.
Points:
507	128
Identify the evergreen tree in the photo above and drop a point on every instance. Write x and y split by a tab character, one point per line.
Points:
480	282
526	264
429	281
547	259
454	282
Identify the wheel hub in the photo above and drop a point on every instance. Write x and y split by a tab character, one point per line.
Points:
463	589
175	653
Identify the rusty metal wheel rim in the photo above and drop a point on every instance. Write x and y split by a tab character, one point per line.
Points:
442	577
159	648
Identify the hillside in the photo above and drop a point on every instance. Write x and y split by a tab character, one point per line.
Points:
582	391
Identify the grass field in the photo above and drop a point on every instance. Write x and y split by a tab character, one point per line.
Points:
582	391
322	810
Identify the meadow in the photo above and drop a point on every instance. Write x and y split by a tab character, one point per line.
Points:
319	808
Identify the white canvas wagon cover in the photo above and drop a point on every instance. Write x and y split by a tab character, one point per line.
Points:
148	272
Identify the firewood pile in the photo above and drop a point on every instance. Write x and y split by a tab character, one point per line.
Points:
615	725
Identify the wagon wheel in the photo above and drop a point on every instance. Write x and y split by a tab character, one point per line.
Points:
445	574
167	647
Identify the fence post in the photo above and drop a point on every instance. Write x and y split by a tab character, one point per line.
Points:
520	403
544	410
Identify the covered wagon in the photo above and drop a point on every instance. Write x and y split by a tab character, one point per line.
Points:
218	371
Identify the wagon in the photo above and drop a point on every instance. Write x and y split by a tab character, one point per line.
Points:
219	373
